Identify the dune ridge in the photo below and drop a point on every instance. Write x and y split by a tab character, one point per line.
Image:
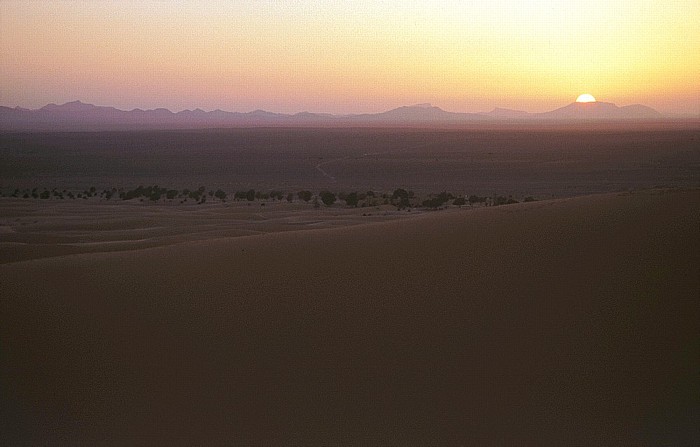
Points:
555	322
39	229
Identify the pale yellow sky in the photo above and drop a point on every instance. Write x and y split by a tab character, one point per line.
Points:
351	56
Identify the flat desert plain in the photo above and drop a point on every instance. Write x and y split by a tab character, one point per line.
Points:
536	161
556	322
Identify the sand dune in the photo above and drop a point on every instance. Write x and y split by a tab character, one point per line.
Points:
32	229
573	321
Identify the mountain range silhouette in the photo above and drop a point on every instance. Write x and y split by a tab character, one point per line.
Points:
76	115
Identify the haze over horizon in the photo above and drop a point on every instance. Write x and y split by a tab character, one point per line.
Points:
351	57
82	106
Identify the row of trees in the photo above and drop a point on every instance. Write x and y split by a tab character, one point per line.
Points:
46	194
400	197
155	193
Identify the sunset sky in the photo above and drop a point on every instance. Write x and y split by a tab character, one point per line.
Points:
351	56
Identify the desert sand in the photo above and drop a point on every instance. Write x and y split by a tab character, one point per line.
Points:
569	321
31	229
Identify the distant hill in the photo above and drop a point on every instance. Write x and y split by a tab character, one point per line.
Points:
600	111
419	113
79	116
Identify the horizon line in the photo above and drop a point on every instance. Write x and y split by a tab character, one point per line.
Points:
342	115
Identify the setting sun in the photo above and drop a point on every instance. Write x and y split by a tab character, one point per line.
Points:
354	56
585	98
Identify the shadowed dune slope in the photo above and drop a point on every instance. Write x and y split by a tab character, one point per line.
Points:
565	322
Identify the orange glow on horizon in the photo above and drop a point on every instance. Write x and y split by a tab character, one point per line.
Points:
350	57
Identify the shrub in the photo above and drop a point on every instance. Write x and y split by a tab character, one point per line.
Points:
219	194
499	200
402	196
250	195
476	199
459	201
399	194
327	197
305	195
438	201
434	202
351	199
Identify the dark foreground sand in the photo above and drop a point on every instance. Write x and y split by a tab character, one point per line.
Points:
564	322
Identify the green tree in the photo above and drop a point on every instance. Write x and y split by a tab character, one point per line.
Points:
438	201
399	194
327	197
499	200
352	199
305	195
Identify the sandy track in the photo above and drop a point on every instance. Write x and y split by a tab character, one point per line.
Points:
333	179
